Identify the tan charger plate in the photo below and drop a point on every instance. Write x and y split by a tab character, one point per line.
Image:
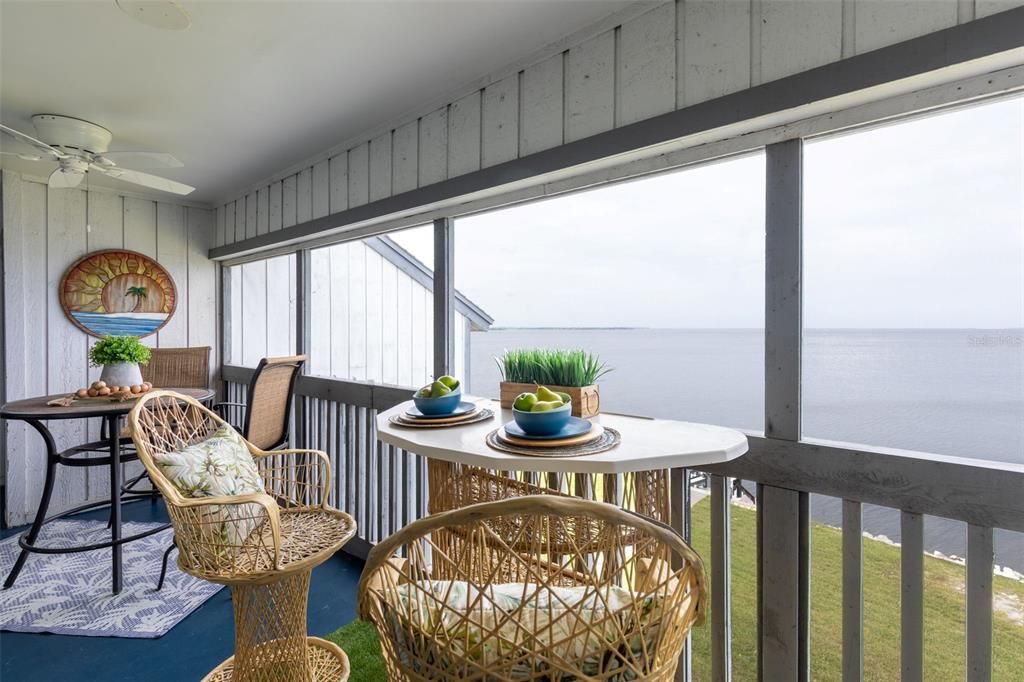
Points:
471	418
406	419
593	434
609	439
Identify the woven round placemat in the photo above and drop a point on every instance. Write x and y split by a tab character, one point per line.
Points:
481	416
608	440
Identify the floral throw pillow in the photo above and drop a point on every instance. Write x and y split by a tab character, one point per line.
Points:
218	466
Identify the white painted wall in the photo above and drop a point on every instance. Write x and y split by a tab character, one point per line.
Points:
44	232
675	55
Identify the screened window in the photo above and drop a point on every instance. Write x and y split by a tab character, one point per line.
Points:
371	310
262	307
662	277
914	284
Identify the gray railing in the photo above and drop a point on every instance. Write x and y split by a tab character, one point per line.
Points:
384	488
381	486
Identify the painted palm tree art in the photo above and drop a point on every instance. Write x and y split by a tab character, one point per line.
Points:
140	295
118	292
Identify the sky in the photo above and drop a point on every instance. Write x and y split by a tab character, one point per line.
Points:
911	225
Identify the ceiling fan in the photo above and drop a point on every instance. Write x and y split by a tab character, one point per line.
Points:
79	147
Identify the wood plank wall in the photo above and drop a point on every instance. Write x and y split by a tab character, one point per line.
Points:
370	321
44	232
675	55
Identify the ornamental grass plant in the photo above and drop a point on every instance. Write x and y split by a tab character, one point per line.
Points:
551	367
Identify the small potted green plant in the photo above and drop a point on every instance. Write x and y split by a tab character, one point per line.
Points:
119	356
575	372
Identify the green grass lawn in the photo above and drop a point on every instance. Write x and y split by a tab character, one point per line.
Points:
944	602
944	613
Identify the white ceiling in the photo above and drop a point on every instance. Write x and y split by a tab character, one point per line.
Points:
254	87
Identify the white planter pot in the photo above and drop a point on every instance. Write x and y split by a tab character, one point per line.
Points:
121	374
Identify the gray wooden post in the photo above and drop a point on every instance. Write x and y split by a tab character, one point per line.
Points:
444	297
224	328
679	501
303	294
783	529
721	581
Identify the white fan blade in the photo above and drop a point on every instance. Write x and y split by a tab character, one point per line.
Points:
146	180
62	179
139	159
23	156
38	144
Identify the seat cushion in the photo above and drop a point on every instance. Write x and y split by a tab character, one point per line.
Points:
220	465
452	629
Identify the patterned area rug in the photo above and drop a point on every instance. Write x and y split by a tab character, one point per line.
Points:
69	594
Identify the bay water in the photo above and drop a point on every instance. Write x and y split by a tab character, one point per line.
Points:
945	391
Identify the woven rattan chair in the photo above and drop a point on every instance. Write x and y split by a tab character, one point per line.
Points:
266	413
268	570
268	405
178	367
539	587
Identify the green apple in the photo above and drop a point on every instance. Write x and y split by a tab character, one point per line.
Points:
545	405
449	381
423	392
438	389
545	394
524	402
566	398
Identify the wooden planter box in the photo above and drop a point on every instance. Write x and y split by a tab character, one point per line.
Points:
586	401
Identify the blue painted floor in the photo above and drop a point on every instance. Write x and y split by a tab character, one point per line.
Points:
186	653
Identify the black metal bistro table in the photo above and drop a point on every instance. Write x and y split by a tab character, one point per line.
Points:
35	411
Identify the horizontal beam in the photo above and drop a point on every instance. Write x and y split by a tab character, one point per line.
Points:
979	492
950	47
355	393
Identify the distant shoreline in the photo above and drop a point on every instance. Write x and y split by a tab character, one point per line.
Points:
981	330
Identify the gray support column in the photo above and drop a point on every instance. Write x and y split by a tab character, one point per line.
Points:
783	296
444	297
224	328
303	293
721	580
784	528
679	502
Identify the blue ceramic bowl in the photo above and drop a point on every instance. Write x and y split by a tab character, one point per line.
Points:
543	423
439	407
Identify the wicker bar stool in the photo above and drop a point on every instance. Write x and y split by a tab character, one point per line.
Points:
266	413
599	593
262	545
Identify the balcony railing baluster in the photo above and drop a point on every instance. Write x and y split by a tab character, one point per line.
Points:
979	603
853	592
384	488
721	570
912	596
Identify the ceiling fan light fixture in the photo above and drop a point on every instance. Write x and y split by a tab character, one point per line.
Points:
163	14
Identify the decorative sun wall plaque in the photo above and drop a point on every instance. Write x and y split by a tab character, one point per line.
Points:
118	292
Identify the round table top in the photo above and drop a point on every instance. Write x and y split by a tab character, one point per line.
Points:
36	408
647	444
